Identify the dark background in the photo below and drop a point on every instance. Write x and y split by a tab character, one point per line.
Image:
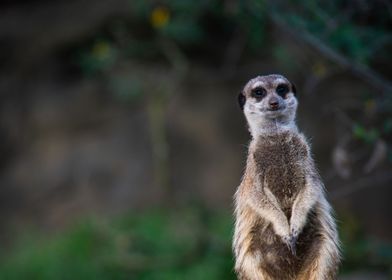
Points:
122	144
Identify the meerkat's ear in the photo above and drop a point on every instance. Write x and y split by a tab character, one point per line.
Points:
241	100
293	88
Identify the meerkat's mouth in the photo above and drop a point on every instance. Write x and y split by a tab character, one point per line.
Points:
272	114
276	110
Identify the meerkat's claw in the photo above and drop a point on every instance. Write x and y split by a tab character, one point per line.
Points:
292	245
290	242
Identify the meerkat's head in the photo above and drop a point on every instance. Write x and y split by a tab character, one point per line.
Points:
269	102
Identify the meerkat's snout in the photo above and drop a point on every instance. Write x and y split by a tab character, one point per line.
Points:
274	104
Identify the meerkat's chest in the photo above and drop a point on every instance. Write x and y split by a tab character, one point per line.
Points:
280	165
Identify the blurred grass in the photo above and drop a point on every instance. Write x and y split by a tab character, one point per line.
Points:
170	244
184	244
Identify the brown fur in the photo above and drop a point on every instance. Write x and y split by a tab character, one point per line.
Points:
280	178
278	158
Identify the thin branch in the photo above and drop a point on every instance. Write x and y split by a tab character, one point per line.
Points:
357	69
178	60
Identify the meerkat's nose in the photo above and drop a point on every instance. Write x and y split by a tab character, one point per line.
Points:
274	103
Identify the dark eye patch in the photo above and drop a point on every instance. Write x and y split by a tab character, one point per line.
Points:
282	90
259	92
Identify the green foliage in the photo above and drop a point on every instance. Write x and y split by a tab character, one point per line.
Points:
75	254
181	244
366	135
125	89
183	26
360	33
349	28
100	56
158	245
174	19
360	252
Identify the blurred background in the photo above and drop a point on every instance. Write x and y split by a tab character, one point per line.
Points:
122	144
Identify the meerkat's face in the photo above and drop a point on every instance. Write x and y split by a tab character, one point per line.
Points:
268	97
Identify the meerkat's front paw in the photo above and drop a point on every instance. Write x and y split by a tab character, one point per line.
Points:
294	233
286	240
295	228
284	233
282	229
291	242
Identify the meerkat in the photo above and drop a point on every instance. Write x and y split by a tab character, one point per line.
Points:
284	227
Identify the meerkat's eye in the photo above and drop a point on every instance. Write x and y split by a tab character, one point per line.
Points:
282	90
258	92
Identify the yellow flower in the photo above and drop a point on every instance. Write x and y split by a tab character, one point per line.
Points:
159	17
101	49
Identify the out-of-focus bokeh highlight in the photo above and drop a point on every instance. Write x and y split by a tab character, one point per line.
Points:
121	142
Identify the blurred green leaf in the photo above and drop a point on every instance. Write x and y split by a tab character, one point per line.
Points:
366	135
155	245
99	57
126	88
